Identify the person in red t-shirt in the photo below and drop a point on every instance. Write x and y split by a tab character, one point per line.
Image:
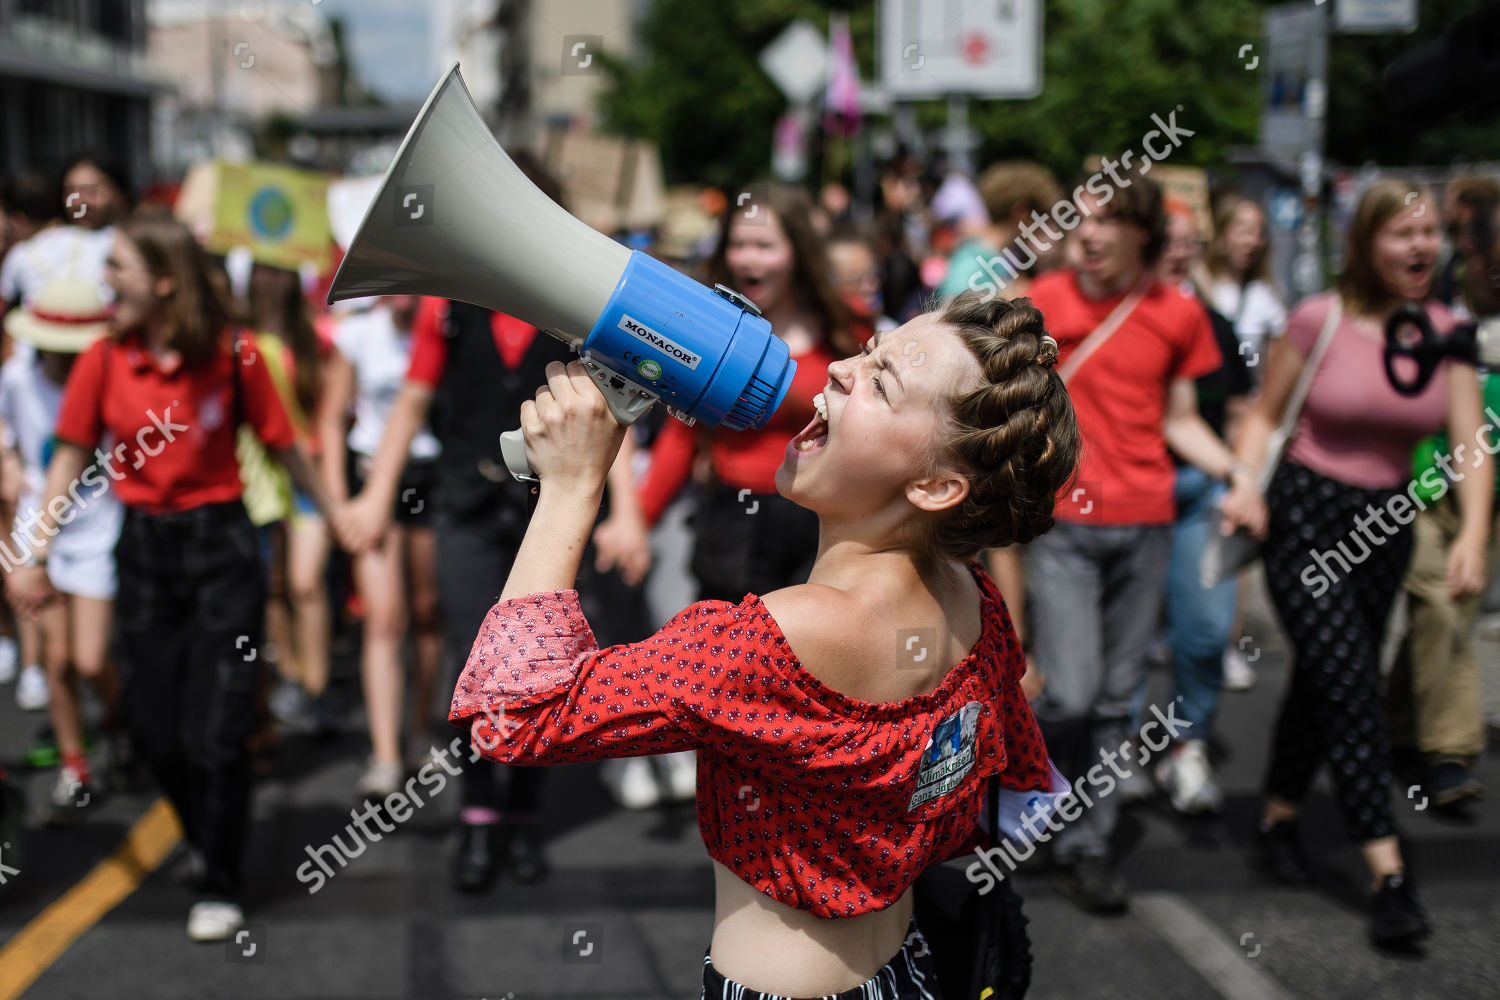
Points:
469	372
845	738
748	538
1097	582
161	399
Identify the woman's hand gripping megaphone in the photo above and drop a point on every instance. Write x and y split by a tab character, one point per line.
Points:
571	435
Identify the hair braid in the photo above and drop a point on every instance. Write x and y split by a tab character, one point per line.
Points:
1015	434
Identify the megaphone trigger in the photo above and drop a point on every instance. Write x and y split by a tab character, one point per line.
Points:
626	400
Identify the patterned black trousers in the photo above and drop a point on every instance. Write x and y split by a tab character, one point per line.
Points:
1333	584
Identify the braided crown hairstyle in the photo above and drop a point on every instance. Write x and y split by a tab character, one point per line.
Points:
1015	435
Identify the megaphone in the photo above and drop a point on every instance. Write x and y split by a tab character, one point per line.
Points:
456	218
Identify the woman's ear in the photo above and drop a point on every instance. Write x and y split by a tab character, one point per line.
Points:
943	489
163	287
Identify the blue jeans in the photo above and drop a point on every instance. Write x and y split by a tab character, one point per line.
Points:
1198	619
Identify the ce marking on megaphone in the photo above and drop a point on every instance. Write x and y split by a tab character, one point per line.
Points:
414	205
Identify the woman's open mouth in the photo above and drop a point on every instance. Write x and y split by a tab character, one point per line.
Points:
812	437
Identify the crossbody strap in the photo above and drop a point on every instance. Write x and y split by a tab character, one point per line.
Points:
1293	408
1105	330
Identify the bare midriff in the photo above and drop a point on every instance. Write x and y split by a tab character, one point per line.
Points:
770	947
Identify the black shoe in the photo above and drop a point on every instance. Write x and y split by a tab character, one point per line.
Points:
1396	918
1089	883
1450	783
1278	853
523	854
474	863
324	720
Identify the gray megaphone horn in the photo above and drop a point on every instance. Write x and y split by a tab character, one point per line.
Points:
457	219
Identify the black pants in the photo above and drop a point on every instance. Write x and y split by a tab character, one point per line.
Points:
1333	589
750	543
191	608
475	553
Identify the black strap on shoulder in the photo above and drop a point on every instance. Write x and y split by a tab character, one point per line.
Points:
237	358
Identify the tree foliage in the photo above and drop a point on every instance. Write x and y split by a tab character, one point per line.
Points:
1108	65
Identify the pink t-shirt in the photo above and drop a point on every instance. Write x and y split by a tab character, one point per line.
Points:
1355	427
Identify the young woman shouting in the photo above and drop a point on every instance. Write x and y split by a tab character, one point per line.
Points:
866	759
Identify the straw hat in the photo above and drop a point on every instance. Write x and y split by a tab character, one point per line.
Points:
66	316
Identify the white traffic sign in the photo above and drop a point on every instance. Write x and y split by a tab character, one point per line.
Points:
988	48
797	61
1375	15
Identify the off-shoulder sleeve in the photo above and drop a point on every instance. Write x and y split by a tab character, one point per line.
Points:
537	689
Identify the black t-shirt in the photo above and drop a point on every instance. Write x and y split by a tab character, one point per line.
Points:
1231	379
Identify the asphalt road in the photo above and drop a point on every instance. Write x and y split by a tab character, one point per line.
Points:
626	913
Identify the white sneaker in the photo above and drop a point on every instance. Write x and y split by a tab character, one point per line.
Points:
10	656
1188	779
211	921
1238	674
31	690
681	775
380	779
632	782
69	789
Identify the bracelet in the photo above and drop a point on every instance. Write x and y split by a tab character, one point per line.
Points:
32	560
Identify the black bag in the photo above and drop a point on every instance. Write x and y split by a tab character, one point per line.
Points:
979	944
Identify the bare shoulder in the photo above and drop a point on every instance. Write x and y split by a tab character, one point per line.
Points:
812	613
824	625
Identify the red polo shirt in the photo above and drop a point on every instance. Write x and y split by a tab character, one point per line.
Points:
172	431
1125	475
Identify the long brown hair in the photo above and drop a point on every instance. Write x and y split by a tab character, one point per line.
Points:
287	315
793	210
197	314
1225	209
1360	285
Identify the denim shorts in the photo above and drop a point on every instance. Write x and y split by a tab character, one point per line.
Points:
910	975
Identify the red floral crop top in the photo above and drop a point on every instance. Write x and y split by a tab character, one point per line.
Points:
826	803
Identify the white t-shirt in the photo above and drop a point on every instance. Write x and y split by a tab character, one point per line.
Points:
1257	316
380	354
52	253
29	405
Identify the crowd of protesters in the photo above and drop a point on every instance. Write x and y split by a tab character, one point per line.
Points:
215	474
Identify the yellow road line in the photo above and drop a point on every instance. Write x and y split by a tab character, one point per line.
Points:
37	945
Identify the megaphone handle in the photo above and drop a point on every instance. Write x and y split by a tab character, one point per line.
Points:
627	401
513	450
